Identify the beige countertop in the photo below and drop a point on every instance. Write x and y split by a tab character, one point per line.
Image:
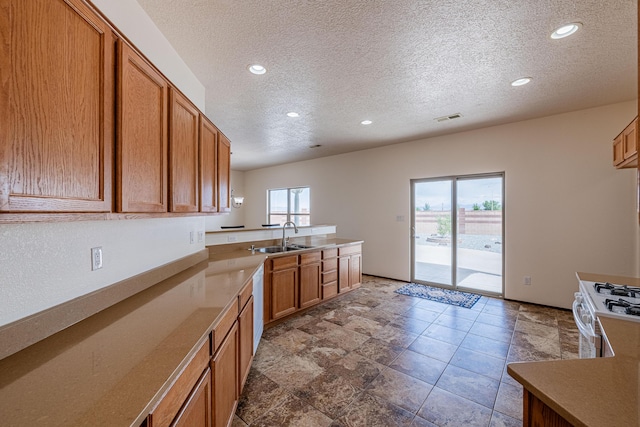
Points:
113	367
592	392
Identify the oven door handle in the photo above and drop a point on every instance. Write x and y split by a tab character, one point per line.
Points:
586	330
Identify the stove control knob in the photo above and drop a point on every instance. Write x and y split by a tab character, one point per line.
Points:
579	298
586	318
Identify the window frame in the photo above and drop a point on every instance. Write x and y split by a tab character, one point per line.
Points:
290	215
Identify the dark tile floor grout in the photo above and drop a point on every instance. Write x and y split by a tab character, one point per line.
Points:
376	358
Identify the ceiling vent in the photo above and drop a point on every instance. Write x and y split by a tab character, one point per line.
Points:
447	118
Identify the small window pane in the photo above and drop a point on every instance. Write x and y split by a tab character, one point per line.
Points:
278	202
300	201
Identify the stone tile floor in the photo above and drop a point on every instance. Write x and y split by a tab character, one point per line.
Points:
376	358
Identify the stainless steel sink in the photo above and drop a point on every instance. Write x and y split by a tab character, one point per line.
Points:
277	249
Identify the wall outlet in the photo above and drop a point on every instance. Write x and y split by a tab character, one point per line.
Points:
399	218
526	280
232	239
96	258
192	237
200	236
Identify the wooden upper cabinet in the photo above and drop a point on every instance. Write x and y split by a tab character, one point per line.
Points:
208	166
224	171
56	107
183	154
142	135
625	147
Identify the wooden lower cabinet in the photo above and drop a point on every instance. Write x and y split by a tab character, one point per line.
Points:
245	342
196	412
538	414
224	370
310	276
349	268
281	278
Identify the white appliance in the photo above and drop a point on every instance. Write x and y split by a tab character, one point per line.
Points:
595	300
258	306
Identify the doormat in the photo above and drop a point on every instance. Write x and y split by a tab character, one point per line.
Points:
446	296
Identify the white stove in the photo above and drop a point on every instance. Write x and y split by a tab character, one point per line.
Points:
612	300
595	300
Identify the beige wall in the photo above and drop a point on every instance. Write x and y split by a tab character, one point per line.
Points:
562	162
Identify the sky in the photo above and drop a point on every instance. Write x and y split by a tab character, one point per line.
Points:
470	191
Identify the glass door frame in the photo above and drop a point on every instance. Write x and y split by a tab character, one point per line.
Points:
454	229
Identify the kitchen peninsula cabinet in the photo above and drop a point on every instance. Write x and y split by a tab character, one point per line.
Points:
208	137
625	147
245	334
349	268
281	279
57	103
184	124
310	276
329	273
224	367
141	135
196	412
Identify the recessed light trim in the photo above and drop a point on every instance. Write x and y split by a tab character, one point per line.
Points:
366	122
566	30
257	69
292	114
315	146
521	81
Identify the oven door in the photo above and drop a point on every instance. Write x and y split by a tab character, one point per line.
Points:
590	343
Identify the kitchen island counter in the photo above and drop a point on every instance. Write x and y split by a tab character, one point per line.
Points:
591	392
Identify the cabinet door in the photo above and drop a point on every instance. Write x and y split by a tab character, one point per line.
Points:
196	412
284	292
344	283
183	154
142	135
310	284
618	150
224	173
355	271
245	354
56	107
224	367
629	140
208	166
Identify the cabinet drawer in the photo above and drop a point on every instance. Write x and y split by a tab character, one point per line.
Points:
221	330
348	250
329	276
329	253
310	258
329	290
244	295
330	264
168	407
284	262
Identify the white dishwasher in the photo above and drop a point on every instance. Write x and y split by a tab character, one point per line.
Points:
258	306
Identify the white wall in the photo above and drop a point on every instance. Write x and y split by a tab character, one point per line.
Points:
42	265
237	215
567	208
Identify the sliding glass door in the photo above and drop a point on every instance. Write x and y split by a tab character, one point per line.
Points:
457	238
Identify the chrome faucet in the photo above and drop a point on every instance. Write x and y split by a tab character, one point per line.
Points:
284	227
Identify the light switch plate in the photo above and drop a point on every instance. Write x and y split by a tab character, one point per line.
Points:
96	258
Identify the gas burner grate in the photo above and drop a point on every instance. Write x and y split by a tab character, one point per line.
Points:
617	290
622	306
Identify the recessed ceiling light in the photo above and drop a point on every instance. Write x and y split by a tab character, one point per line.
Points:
315	146
293	114
566	30
521	82
257	69
366	122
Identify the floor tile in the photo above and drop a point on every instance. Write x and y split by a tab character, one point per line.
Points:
433	348
486	345
462	312
409	324
329	393
447	409
363	325
505	322
371	411
294	413
443	333
509	401
493	332
419	366
421	422
479	363
293	372
501	420
357	369
378	350
400	389
395	336
454	322
421	314
470	385
260	394
324	353
294	340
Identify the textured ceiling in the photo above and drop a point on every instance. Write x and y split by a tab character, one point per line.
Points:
399	63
